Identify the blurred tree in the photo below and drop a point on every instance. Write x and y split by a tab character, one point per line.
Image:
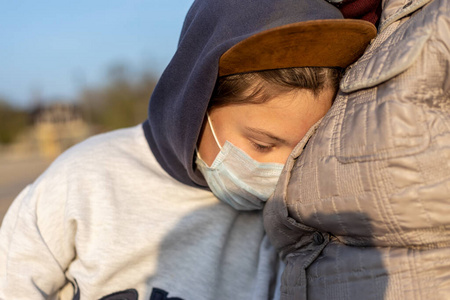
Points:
122	102
13	121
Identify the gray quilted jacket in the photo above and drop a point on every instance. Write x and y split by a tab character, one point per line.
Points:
362	209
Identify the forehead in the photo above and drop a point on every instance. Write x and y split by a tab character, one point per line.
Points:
287	115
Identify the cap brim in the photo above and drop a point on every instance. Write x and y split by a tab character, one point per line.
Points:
317	43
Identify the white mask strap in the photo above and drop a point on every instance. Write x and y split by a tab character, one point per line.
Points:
213	132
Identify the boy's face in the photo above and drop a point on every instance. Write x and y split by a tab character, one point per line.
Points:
268	131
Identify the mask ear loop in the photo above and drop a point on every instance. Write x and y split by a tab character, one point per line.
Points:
212	130
213	133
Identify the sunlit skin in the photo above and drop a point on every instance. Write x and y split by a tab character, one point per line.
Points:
269	131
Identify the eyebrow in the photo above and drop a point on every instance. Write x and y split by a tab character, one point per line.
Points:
268	134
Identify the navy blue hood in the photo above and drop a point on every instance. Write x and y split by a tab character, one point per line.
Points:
178	105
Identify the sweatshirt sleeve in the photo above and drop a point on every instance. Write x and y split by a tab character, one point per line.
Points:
35	244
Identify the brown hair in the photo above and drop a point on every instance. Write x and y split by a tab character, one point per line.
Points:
259	87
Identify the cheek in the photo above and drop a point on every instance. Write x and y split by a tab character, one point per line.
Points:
282	155
209	156
277	155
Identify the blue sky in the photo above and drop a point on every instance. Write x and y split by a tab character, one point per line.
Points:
50	49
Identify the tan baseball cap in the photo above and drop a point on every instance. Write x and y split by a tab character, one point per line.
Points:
316	43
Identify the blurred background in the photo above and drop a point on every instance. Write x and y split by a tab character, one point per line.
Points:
69	70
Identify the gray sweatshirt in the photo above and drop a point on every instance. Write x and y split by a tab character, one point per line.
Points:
106	219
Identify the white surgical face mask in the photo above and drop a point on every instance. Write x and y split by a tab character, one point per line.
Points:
237	179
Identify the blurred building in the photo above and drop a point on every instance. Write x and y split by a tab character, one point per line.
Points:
56	127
